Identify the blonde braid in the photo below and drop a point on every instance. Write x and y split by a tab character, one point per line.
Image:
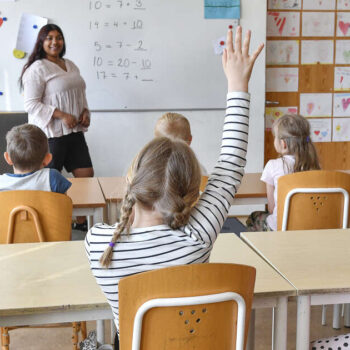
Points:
126	210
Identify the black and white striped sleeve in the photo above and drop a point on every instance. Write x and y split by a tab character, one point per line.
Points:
209	214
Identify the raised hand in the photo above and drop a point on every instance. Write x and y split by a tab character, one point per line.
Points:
236	62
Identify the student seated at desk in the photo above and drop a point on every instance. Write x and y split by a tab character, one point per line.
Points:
163	185
293	143
176	126
28	152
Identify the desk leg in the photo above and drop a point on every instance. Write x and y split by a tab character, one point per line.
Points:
113	212
303	322
113	331
251	332
90	221
100	332
280	324
336	316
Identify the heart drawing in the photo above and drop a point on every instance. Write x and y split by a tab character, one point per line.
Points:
316	132
344	27
1	21
324	133
345	102
310	107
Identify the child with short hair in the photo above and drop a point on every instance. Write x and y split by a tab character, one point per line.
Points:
28	152
163	186
176	126
293	143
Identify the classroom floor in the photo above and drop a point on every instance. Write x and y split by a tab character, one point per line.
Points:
60	338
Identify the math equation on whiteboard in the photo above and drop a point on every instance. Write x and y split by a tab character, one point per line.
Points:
118	32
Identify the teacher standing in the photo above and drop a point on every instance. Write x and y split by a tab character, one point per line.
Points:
55	99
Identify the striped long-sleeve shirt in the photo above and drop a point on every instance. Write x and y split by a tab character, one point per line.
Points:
154	247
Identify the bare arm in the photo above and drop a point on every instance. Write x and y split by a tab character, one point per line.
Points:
270	200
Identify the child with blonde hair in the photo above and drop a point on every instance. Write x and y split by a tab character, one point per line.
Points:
162	187
293	142
175	126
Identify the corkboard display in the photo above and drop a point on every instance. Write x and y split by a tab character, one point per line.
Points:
308	72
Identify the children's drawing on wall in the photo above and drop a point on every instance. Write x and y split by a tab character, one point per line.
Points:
282	52
343	23
317	51
341	105
341	129
342	78
281	79
219	45
283	23
321	130
222	8
318	23
342	52
343	5
273	113
319	4
316	105
284	4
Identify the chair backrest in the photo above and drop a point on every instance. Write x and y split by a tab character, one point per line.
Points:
206	325
304	204
34	216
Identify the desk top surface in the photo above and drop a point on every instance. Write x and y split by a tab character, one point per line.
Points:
251	187
47	277
315	261
86	192
228	248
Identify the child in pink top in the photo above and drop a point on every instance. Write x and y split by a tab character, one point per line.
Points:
293	143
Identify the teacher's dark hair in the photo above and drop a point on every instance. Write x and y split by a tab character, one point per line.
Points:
38	51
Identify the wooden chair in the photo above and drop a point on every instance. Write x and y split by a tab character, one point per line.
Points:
36	216
187	307
315	200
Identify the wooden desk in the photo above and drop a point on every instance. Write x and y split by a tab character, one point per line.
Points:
251	191
316	262
48	283
271	289
87	197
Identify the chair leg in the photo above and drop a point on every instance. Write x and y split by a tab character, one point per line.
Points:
83	330
5	338
324	315
75	336
336	316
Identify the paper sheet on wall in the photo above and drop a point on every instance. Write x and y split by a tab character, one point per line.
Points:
317	51
283	23
316	105
28	31
321	129
342	78
284	4
282	52
222	8
343	24
343	5
318	24
342	52
319	5
281	79
341	105
341	129
273	113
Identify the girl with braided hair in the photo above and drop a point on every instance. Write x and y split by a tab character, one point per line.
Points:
168	228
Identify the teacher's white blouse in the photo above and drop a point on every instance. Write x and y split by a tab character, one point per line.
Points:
46	87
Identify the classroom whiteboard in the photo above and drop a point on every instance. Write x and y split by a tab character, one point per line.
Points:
134	54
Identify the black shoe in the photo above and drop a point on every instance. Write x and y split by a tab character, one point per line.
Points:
80	227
